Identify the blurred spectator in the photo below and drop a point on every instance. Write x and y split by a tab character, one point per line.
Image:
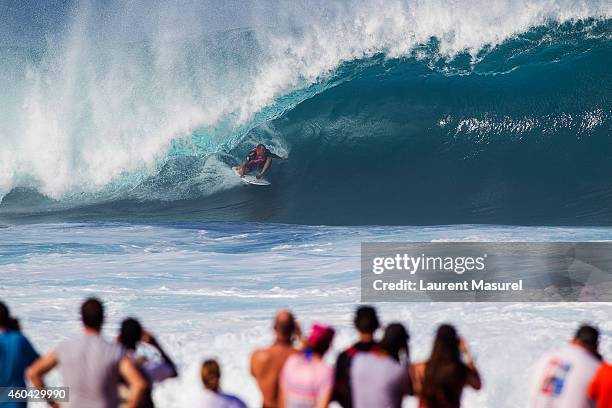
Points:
366	322
306	381
600	389
380	378
154	371
439	382
90	366
16	354
562	377
266	364
212	397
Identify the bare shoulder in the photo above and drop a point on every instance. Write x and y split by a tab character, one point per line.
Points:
260	356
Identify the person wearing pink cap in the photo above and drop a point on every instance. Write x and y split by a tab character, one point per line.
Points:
306	380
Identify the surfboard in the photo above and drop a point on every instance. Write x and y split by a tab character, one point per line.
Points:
250	179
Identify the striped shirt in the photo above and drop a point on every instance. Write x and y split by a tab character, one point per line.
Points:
305	381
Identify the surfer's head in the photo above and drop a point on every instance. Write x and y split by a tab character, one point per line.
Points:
261	148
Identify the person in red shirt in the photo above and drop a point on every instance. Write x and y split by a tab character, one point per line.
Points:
600	389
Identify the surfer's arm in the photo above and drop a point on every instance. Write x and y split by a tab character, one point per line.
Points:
265	167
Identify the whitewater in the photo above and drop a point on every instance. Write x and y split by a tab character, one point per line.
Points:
212	290
402	120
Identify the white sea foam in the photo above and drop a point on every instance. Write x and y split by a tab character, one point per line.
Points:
209	297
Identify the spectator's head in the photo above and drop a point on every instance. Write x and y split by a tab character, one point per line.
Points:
447	340
284	325
320	338
395	340
92	314
130	333
14	324
366	320
211	375
5	316
587	337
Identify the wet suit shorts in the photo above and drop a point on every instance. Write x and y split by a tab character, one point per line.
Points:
253	164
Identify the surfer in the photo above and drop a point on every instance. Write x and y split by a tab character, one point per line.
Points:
260	157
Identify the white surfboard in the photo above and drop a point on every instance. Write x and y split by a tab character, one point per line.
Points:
250	179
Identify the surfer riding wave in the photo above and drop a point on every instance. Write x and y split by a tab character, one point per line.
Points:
260	157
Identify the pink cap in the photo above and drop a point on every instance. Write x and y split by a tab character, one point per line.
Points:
320	334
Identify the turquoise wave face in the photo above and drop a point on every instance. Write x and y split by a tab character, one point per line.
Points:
515	134
522	137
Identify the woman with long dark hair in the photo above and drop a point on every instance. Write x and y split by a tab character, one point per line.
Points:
439	381
130	334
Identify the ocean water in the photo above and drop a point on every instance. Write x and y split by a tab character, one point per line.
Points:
402	120
211	290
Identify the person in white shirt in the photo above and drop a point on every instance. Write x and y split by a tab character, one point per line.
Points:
562	377
379	378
